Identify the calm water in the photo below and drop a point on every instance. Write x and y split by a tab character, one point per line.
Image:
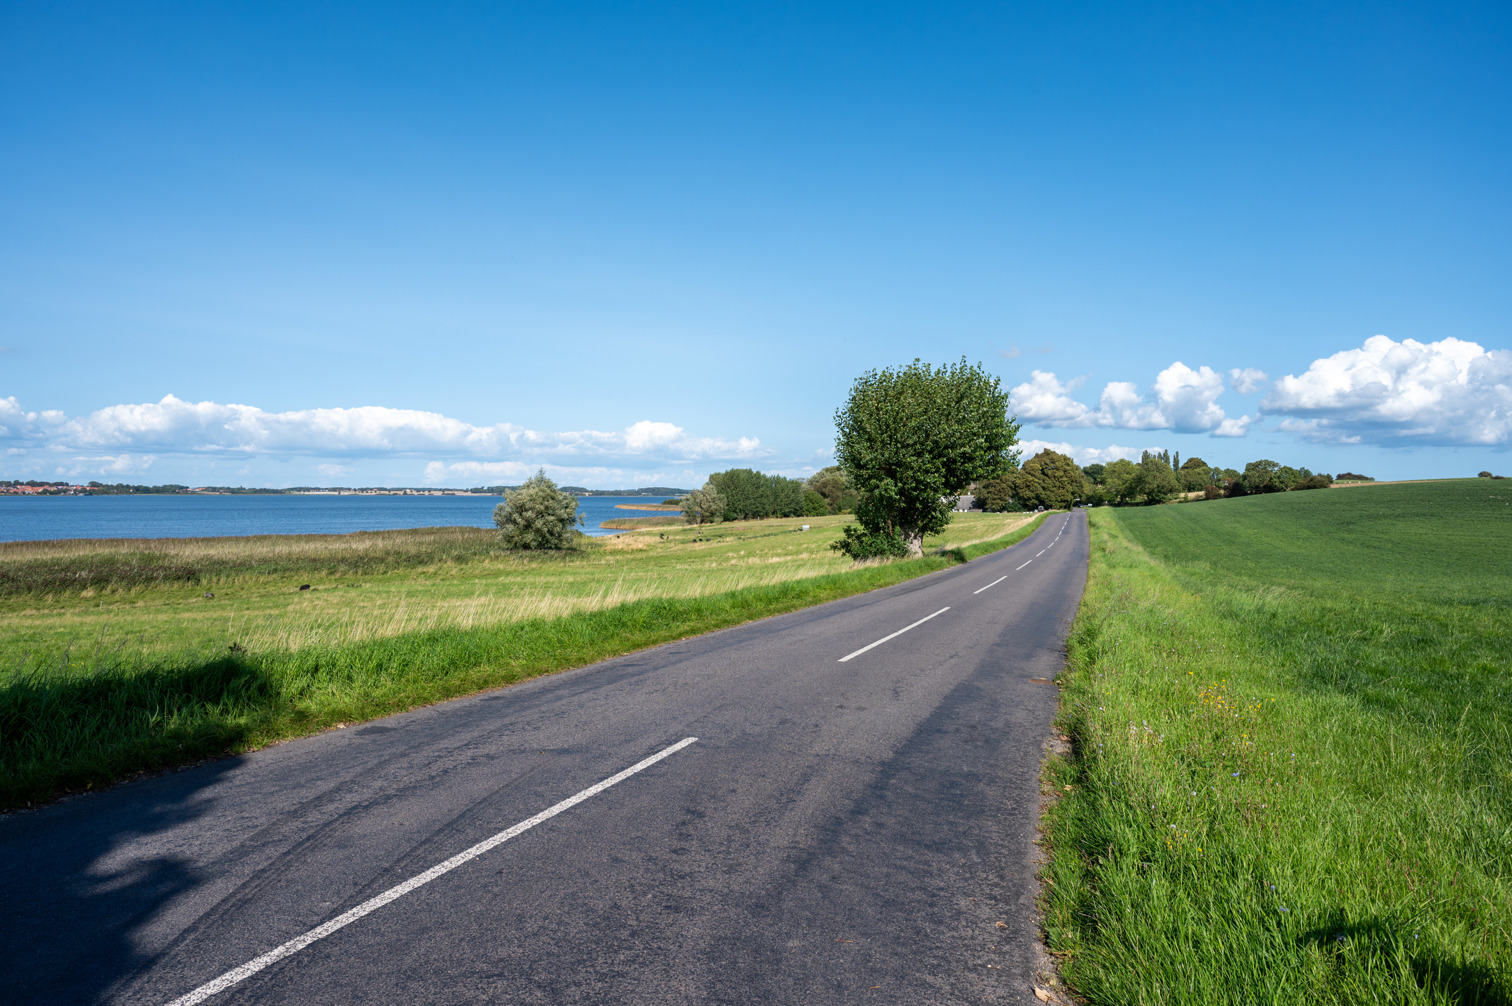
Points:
35	518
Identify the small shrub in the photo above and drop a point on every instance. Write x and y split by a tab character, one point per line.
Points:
704	506
858	543
537	515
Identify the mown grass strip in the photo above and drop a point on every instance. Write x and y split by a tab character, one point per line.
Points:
1292	768
90	726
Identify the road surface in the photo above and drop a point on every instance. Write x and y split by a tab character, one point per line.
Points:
831	806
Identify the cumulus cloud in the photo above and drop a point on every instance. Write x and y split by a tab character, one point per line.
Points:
1387	392
1248	380
210	428
1082	455
1183	399
1045	400
509	472
1233	427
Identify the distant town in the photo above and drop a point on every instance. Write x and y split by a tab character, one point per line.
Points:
32	487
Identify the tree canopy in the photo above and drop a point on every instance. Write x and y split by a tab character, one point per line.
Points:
1154	481
751	495
704	506
832	485
911	440
1049	479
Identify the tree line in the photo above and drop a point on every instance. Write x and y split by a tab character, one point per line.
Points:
1055	481
746	494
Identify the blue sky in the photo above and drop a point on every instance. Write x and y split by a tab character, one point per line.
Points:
281	243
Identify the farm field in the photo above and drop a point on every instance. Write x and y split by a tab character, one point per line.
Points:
1291	777
113	659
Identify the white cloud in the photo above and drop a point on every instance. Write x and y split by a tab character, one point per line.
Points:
1387	392
1248	380
1081	455
1185	400
1233	427
1043	399
472	473
209	428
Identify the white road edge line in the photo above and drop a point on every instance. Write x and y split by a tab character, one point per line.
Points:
297	944
1025	564
892	635
994	583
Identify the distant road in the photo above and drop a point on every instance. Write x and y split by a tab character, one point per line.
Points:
831	806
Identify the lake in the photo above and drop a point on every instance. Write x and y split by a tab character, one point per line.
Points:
36	518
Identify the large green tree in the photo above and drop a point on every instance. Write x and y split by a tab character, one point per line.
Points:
1260	477
1194	474
750	495
911	440
1154	481
995	495
537	515
1049	479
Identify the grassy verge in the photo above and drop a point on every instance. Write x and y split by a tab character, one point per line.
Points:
75	722
1292	768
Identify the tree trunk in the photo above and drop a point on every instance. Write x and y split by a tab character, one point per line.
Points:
915	542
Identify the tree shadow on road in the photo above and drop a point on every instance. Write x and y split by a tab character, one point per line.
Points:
79	879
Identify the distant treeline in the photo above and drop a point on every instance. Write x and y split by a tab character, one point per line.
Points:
1051	479
123	489
746	494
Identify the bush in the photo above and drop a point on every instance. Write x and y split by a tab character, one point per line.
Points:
814	505
859	543
1313	482
537	515
1213	493
704	506
1482	475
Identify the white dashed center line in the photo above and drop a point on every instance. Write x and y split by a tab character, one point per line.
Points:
994	583
297	944
893	635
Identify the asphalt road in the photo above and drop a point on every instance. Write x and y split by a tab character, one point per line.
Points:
840	831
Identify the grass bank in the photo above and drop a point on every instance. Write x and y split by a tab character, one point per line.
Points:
103	682
1291	777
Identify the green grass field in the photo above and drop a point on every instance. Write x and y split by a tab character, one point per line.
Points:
113	660
1291	778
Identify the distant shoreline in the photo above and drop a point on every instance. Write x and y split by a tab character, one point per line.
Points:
61	489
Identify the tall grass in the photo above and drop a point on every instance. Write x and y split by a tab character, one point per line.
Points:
157	683
1292	770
